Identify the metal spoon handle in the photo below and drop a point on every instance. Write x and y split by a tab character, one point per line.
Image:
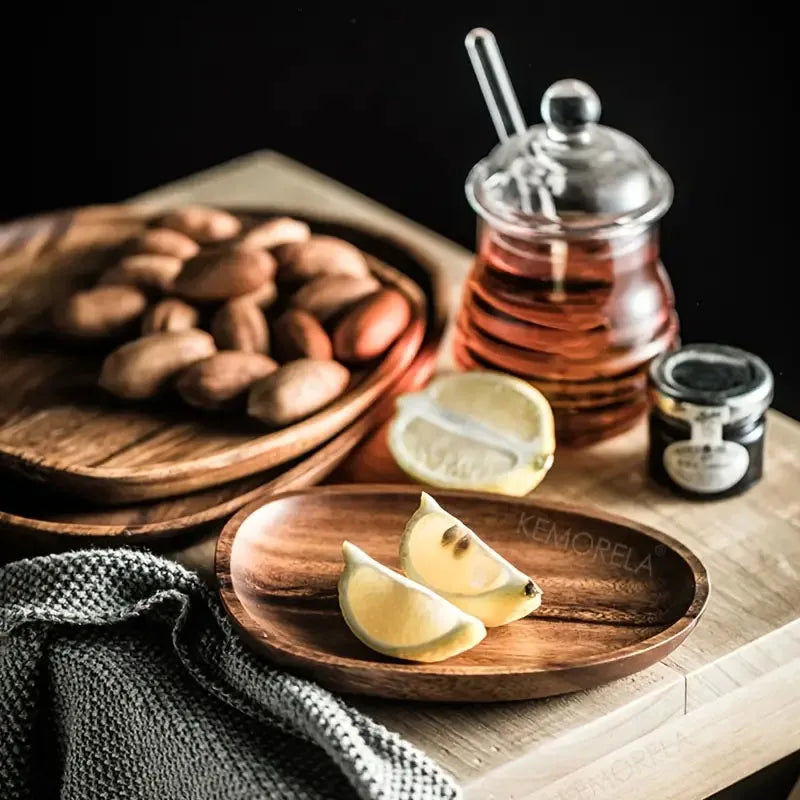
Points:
498	93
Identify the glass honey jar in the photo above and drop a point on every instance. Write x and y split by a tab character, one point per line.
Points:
568	290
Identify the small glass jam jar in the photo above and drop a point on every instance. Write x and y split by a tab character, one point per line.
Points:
708	420
567	290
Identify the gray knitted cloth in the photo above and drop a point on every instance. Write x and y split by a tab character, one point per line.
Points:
120	677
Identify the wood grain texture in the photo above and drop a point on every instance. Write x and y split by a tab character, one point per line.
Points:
617	597
689	758
24	509
475	741
547	738
57	427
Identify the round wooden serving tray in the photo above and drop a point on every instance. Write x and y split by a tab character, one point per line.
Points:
57	427
618	596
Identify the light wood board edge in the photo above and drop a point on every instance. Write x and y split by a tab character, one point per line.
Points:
688	758
543	740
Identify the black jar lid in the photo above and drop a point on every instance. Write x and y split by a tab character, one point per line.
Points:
712	375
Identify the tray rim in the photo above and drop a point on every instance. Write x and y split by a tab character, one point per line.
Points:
672	635
124	484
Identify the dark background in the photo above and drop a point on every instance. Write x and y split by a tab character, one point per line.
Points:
103	107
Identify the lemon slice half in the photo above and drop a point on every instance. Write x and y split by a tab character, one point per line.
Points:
475	430
439	551
397	617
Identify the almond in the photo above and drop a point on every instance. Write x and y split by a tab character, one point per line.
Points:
166	242
222	274
331	294
102	311
223	378
240	325
145	366
203	224
322	255
296	334
145	270
296	390
170	315
367	330
263	297
275	233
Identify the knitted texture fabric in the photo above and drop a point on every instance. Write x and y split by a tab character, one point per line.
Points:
121	677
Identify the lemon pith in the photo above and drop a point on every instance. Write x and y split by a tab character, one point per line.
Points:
506	408
439	551
397	617
475	430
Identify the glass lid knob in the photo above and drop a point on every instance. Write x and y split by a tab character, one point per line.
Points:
568	108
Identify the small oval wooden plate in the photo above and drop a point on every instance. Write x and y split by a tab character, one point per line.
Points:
618	596
57	427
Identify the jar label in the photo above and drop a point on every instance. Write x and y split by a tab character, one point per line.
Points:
705	467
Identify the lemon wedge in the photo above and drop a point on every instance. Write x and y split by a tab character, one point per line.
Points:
475	430
397	617
439	551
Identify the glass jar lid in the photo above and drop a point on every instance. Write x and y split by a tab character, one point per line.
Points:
711	375
569	174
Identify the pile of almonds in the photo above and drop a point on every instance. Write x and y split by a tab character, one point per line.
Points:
273	314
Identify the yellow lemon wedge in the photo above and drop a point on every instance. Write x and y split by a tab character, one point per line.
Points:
439	551
475	430
397	617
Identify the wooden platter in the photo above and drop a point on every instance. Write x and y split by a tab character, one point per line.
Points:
57	427
23	511
26	512
618	596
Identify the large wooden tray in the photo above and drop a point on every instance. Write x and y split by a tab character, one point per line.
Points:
618	596
57	427
26	512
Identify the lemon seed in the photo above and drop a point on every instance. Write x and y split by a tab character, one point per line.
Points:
450	534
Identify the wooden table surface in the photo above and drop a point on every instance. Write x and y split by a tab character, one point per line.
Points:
723	705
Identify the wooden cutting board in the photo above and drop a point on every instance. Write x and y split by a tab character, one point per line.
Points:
57	427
